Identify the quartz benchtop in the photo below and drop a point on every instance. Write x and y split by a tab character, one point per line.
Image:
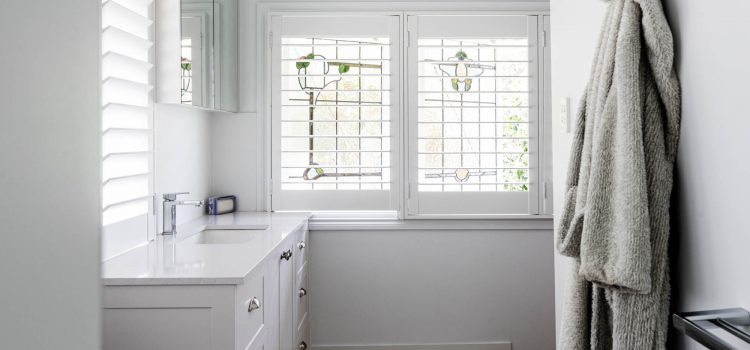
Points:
168	260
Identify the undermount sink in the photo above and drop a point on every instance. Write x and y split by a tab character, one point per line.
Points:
225	236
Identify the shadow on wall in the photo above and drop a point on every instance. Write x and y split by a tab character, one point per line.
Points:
675	339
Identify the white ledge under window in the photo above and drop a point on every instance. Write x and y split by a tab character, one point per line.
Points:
388	220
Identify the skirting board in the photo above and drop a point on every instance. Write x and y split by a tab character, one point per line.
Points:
482	346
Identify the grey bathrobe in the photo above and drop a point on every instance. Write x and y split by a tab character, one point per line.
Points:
615	220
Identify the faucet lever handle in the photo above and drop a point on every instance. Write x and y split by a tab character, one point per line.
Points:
172	196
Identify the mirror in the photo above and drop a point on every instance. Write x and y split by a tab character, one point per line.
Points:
196	56
208	40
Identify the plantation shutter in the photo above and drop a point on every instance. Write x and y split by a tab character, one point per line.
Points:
127	127
474	113
335	108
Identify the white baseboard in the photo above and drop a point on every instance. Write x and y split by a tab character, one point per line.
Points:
480	346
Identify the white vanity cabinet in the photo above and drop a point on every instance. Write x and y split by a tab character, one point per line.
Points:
301	309
293	310
187	317
268	310
290	287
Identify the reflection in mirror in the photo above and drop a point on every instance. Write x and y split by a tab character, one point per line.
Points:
198	75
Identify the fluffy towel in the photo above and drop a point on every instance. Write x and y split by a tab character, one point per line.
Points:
615	220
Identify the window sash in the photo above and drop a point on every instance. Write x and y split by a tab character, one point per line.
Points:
407	199
477	201
376	193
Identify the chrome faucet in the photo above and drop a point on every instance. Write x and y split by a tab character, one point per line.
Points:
169	215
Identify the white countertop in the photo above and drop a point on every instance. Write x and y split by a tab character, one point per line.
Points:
169	261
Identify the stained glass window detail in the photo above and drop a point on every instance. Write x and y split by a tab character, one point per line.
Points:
335	113
186	70
473	114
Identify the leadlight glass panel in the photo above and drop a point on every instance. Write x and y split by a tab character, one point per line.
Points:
335	113
186	69
473	114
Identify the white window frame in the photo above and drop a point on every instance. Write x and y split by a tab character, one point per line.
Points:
265	11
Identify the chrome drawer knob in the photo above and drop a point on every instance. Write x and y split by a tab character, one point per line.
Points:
302	292
254	304
286	255
302	345
301	245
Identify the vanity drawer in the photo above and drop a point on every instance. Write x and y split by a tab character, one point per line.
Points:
250	309
301	246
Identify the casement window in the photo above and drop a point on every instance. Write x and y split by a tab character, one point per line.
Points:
335	103
445	122
474	115
127	105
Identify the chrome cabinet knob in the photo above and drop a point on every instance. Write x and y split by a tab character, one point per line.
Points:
254	304
302	345
287	255
302	292
301	245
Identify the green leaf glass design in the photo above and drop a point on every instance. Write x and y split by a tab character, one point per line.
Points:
304	64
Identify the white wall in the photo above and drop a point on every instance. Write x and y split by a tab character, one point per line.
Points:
234	149
182	156
711	236
575	32
49	175
429	287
